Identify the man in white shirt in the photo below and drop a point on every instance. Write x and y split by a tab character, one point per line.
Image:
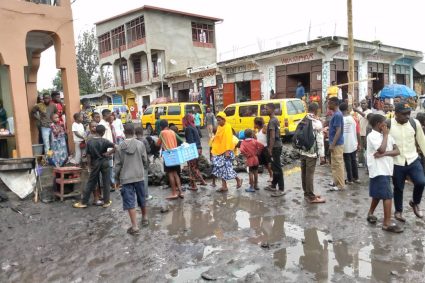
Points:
408	162
351	140
364	111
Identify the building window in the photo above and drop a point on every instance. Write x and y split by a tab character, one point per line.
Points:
118	37
104	43
202	33
125	72
135	29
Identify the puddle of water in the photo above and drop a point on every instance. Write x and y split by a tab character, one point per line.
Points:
187	274
246	270
242	217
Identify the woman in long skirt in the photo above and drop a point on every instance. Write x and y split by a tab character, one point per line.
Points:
223	156
59	148
192	136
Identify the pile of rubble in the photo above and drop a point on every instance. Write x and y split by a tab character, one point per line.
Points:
157	176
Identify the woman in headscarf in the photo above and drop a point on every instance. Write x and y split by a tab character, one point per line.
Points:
192	136
222	151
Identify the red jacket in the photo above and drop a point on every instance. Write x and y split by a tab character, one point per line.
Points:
251	148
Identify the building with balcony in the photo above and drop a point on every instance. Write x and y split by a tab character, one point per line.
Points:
27	28
155	48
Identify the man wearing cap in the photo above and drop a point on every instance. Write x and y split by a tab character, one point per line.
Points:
408	162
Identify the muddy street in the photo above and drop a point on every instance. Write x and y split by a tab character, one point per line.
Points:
236	237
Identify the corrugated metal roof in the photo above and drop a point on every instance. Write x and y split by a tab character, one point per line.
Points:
93	95
420	68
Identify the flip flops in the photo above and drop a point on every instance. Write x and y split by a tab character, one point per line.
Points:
393	228
372	219
317	199
133	231
79	205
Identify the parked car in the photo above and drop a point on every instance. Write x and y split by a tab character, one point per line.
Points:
289	112
172	112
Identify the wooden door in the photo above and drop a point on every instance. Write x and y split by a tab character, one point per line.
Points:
228	94
255	90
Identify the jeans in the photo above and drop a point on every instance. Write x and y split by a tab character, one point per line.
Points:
337	166
277	169
145	182
350	161
308	167
111	170
98	167
416	174
46	135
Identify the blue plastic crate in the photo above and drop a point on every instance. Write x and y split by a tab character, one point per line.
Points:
172	157
189	152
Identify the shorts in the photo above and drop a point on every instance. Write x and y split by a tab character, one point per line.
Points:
168	169
253	169
264	157
129	193
380	187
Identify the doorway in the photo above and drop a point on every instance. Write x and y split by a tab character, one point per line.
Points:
400	79
243	91
292	82
378	84
183	95
342	78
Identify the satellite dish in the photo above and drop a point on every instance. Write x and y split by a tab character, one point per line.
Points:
173	62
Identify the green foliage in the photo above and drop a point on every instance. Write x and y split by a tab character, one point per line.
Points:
88	63
57	81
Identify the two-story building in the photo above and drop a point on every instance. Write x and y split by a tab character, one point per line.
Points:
155	48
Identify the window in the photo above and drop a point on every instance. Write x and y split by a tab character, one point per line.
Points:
290	108
161	110
135	29
297	105
174	110
124	68
202	33
104	42
248	111
118	37
230	111
192	108
148	111
277	110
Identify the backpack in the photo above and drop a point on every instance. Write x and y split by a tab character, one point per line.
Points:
304	138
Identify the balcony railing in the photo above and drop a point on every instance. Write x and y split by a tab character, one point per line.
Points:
45	2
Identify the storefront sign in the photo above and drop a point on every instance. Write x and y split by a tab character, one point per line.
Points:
242	68
377	58
209	81
297	58
207	73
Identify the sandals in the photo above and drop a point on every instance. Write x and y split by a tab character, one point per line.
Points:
239	185
172	197
250	190
372	219
145	222
393	228
79	205
317	199
221	190
270	188
133	231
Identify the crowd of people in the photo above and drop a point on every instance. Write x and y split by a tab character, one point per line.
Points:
388	143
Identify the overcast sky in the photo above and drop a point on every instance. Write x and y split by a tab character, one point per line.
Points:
251	26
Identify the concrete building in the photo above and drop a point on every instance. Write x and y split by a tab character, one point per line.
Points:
316	64
155	47
27	28
419	78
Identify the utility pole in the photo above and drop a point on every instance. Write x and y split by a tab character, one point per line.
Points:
350	50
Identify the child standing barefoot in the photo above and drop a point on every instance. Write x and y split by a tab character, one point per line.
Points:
380	152
251	148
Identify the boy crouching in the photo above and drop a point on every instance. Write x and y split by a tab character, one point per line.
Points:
131	160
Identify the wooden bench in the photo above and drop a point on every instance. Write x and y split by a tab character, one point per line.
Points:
67	175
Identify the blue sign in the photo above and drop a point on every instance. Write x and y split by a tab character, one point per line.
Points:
116	99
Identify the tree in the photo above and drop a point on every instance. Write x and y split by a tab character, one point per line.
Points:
88	63
57	81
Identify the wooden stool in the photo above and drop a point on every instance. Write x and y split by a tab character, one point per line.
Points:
68	175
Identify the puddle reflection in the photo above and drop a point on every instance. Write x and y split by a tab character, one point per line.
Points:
310	249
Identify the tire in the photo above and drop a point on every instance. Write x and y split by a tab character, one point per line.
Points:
149	130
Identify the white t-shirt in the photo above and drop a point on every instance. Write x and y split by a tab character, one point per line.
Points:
364	122
79	128
262	138
119	128
350	135
383	166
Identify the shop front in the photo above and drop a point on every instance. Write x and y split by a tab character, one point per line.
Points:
184	92
242	83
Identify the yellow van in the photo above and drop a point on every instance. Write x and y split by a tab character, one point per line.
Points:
172	112
120	108
289	112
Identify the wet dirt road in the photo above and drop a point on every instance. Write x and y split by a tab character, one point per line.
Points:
234	237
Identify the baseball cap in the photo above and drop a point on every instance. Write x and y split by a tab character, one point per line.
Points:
402	107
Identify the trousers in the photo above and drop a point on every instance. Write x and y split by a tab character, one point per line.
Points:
308	167
98	167
277	169
337	166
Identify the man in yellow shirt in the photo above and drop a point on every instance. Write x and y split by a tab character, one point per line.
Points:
333	90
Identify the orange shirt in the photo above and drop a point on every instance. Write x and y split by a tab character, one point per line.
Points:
168	137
